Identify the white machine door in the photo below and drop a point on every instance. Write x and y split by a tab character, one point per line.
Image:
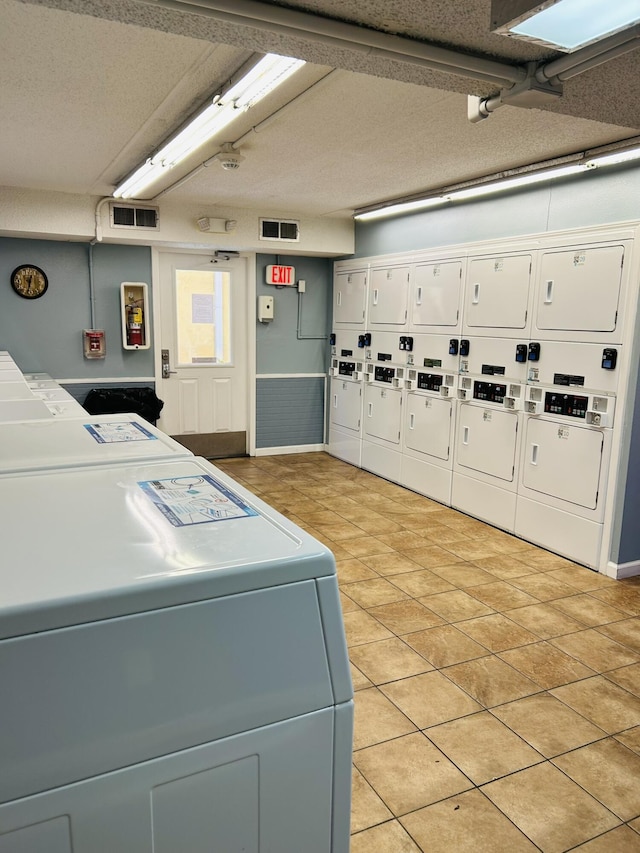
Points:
382	413
563	461
498	292
349	295
388	296
436	294
487	440
580	289
346	404
428	425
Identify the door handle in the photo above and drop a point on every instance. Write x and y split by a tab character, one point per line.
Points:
549	294
370	412
476	294
375	296
335	401
419	299
339	298
412	420
465	435
166	364
534	453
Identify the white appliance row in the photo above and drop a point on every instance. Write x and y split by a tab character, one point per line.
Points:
172	653
32	396
500	384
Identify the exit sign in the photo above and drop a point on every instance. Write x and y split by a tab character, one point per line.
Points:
278	274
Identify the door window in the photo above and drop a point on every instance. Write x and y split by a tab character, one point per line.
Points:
203	317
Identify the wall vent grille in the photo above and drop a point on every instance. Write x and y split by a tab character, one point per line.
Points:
280	229
131	216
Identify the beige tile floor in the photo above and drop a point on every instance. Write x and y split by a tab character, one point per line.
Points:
497	685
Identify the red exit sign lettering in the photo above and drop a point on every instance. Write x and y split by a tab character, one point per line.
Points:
278	274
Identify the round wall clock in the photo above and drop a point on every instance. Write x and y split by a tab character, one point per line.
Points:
29	281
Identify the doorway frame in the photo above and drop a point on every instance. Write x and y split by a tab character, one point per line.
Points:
250	326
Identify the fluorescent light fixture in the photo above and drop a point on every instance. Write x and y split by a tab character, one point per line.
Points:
402	207
518	181
564	24
269	73
615	157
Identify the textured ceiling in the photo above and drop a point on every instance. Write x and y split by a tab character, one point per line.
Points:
95	93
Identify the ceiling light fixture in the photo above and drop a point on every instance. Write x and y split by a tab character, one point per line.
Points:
563	24
269	73
581	165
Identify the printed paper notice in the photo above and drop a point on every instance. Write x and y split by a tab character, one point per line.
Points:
194	500
202	308
117	432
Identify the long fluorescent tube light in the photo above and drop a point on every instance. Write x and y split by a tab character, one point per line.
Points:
269	73
403	207
519	181
565	24
615	157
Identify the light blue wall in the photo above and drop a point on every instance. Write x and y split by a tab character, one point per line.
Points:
290	411
45	335
591	200
296	340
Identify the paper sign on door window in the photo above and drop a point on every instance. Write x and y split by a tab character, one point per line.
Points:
202	308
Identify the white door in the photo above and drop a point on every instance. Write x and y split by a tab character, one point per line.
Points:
497	292
203	337
579	289
564	461
436	294
428	425
487	440
382	413
388	296
346	403
349	295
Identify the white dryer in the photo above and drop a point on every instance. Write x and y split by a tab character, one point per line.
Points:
382	419
345	395
174	668
429	417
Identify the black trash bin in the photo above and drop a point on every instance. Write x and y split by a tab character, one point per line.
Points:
110	401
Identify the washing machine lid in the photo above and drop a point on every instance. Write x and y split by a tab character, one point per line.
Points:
82	440
23	410
84	544
16	390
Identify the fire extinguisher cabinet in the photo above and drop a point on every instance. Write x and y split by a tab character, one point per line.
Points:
134	306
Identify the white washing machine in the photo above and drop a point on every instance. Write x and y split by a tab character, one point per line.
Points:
15	390
65	408
174	668
429	416
90	440
388	296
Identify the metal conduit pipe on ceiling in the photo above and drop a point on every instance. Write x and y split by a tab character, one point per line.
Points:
589	56
304	25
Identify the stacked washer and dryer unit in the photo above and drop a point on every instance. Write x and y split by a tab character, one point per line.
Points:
495	380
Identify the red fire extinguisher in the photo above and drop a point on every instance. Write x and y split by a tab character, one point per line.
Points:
134	323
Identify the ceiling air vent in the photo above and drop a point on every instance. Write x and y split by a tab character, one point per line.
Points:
280	229
131	216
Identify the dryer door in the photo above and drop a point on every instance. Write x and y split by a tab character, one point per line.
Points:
436	294
497	293
382	413
428	425
346	403
349	294
563	461
486	440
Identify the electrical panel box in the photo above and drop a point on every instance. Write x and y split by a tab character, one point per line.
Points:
135	317
265	309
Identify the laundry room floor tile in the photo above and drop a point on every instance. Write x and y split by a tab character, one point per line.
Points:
493	658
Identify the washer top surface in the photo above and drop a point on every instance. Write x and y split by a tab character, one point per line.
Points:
85	544
17	390
23	410
83	440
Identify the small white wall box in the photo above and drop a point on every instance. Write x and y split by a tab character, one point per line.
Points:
265	309
134	307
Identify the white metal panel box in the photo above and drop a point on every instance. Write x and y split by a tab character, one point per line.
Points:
84	440
346	404
436	293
